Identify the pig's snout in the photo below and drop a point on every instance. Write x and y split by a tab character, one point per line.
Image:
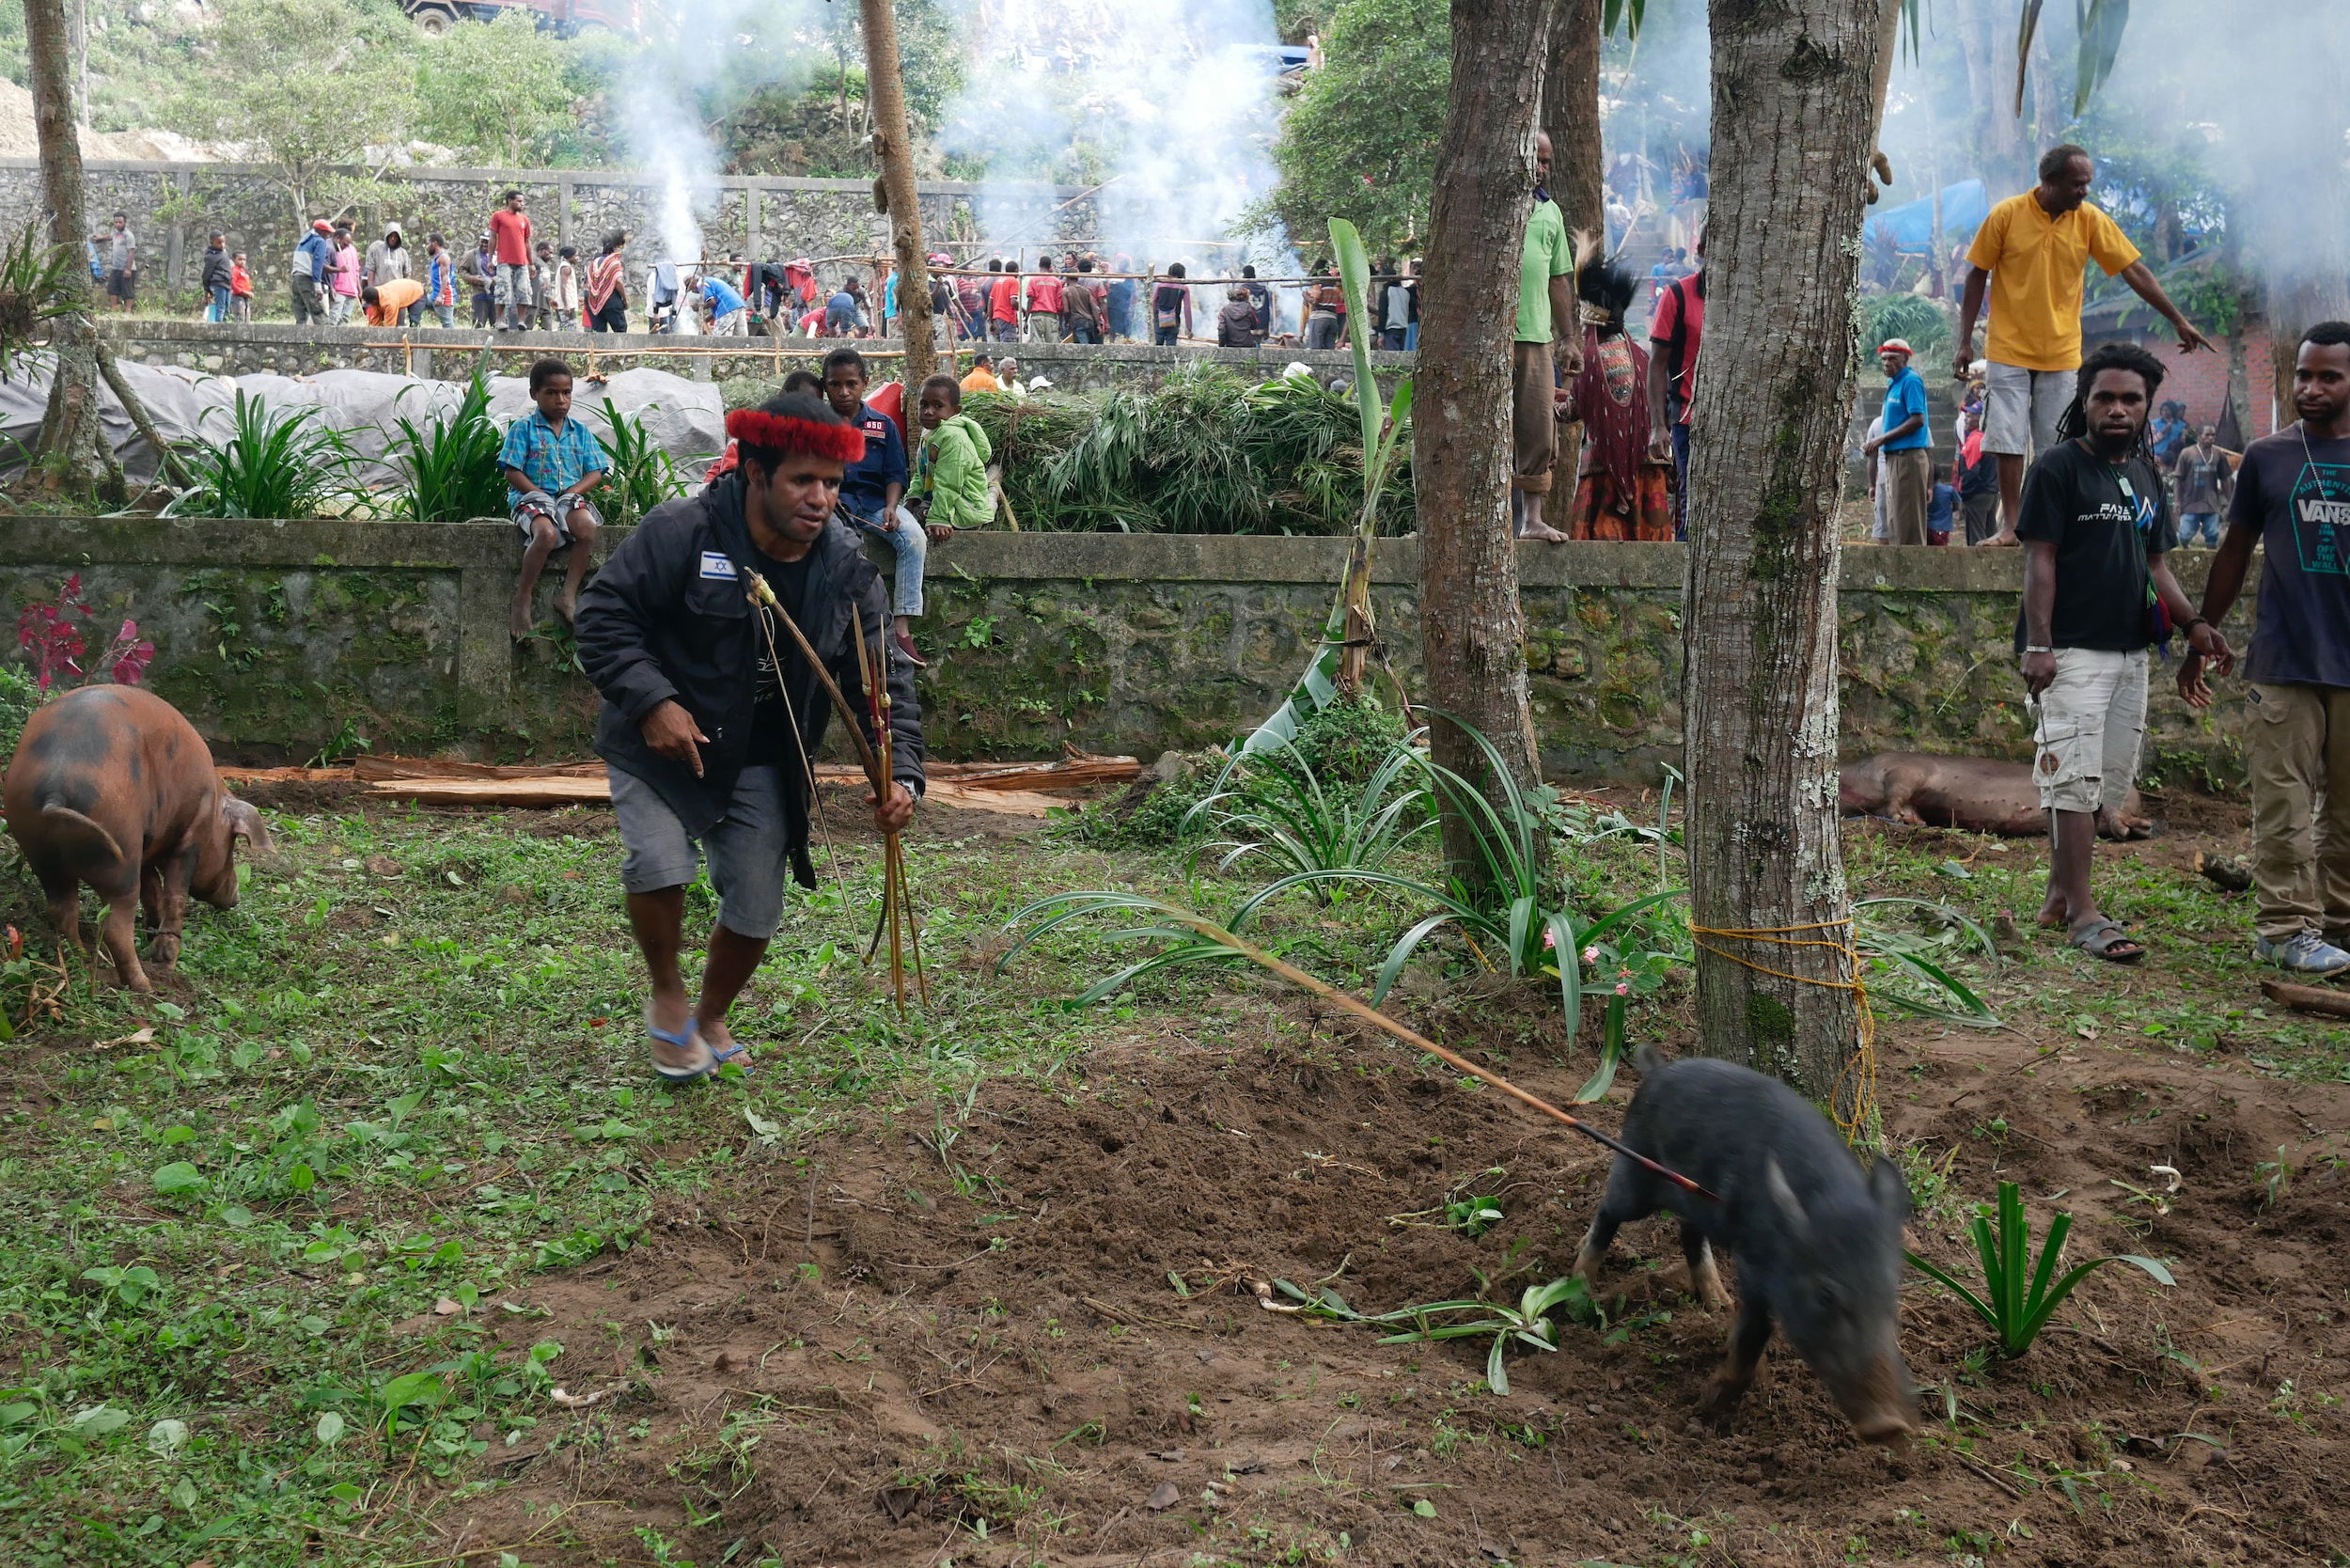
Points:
1883	1406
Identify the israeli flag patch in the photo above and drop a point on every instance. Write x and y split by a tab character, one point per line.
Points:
716	564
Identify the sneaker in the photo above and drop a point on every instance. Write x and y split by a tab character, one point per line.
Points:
2303	953
905	647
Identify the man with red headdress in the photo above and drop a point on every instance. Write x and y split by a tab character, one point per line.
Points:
712	712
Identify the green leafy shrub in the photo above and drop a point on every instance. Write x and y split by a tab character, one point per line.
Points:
274	463
451	466
1202	453
1924	325
18	697
643	475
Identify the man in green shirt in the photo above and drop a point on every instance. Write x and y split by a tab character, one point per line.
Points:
1546	303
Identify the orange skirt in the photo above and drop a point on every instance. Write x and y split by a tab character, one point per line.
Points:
1601	514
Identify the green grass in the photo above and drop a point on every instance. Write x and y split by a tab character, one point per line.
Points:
221	1244
377	1094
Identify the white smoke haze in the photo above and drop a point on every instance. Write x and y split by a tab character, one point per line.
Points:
738	45
1169	106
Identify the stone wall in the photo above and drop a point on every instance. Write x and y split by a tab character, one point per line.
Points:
452	354
275	636
173	207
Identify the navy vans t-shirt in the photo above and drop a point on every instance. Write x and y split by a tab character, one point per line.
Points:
2297	498
865	487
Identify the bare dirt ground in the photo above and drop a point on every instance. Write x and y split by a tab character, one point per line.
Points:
952	1336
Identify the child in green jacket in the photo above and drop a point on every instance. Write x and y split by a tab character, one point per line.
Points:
950	468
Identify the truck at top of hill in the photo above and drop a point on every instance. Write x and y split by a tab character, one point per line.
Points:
567	17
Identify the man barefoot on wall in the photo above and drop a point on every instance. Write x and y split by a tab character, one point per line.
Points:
712	712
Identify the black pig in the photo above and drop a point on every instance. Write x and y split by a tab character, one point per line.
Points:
111	786
1817	1239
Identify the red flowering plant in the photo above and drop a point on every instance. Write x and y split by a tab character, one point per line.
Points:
53	635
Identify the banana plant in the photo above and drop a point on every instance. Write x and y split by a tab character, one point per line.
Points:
1337	665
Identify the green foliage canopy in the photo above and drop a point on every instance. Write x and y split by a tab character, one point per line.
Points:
340	75
1361	138
502	88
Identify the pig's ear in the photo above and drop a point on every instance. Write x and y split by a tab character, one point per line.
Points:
246	823
1783	1199
1890	1188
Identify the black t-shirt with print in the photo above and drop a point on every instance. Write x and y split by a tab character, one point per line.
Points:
2107	521
2296	495
772	745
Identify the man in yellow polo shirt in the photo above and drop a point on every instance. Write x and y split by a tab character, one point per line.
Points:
2034	251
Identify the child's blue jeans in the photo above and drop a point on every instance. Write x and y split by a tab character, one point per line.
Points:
913	547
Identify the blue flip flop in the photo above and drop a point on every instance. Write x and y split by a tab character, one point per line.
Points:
735	1052
688	1038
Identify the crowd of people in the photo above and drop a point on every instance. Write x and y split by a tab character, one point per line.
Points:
511	279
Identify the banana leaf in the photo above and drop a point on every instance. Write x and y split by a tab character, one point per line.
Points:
1318	687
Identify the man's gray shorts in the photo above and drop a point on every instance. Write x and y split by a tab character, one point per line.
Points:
2022	408
748	850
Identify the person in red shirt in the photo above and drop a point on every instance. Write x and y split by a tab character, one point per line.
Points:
1003	302
1673	335
510	238
1046	297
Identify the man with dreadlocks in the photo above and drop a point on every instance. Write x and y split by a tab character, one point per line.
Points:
1622	491
712	712
2098	591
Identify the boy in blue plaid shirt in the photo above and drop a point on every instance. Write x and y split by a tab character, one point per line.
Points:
551	461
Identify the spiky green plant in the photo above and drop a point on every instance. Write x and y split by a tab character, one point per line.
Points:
2018	1296
32	278
450	465
643	474
273	462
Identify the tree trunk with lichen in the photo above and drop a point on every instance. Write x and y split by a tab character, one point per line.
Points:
1791	129
71	456
893	142
1472	631
1570	115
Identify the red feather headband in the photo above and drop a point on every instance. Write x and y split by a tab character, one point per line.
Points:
778	432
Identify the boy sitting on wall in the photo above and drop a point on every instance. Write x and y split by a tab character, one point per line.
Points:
551	461
950	481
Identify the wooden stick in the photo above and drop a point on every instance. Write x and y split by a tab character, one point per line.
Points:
2307	999
1372	1015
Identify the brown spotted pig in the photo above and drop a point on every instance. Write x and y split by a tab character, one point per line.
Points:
1976	793
111	786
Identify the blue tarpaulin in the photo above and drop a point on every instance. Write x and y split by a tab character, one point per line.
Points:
1965	205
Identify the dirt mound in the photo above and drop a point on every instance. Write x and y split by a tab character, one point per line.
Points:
955	1334
20	139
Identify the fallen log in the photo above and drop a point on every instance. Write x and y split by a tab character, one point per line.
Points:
2307	999
372	769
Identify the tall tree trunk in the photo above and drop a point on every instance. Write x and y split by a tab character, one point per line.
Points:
1577	157
71	454
893	141
1472	633
1791	125
1570	115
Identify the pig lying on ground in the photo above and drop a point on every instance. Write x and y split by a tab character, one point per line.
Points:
1817	1239
1976	794
111	786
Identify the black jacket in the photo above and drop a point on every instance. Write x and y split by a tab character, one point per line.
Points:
664	620
216	268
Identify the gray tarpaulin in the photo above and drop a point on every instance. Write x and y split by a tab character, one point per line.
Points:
686	418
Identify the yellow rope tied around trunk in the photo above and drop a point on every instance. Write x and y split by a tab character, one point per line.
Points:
1861	1070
